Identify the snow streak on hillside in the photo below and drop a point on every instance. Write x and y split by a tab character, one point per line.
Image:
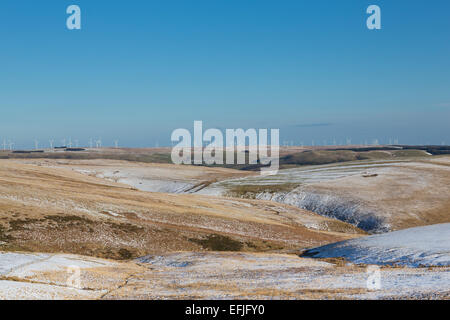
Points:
326	204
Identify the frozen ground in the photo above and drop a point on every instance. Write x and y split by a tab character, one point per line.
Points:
274	276
421	246
35	276
210	275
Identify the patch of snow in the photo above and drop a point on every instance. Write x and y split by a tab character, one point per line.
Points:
15	290
11	261
53	264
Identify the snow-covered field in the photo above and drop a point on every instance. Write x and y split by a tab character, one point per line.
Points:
209	275
276	276
45	276
414	247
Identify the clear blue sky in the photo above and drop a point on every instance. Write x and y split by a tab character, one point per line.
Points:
139	69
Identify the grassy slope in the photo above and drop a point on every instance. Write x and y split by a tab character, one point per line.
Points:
57	210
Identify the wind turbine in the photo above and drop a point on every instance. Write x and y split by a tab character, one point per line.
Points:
4	144
76	143
51	143
36	144
98	143
63	142
11	145
70	143
116	144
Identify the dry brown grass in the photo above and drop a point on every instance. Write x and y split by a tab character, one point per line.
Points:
408	194
56	210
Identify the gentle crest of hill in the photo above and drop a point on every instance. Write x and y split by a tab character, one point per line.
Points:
44	209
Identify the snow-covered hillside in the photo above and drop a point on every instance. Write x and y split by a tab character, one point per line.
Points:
376	196
415	247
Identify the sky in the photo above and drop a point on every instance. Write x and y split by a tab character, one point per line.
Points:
137	70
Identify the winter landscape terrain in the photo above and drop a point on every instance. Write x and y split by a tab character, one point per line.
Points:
142	228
